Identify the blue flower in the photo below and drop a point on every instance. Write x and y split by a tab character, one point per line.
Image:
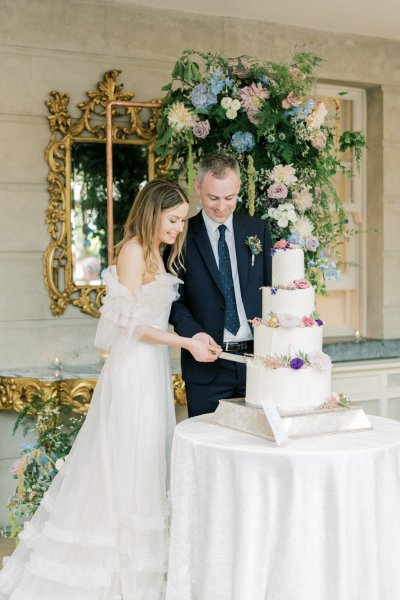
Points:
308	108
295	238
201	97
243	141
264	79
229	82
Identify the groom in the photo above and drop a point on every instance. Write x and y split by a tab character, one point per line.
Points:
222	282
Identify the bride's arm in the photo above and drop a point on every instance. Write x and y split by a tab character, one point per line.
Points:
131	268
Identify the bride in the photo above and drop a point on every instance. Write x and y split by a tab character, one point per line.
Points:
101	531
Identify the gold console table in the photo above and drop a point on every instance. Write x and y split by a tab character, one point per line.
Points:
71	386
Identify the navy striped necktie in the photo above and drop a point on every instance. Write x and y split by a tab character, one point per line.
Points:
232	322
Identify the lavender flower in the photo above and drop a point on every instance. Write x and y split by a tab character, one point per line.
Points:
273	291
296	363
319	322
201	129
311	243
201	97
272	251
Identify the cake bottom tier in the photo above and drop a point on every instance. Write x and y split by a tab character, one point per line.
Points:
289	389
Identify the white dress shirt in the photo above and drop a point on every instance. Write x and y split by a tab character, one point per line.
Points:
244	332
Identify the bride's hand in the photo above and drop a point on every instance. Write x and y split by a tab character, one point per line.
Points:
203	348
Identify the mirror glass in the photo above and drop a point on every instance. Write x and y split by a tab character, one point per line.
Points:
89	201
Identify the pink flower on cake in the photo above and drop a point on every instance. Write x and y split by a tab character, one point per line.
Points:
308	321
301	284
319	360
281	244
273	362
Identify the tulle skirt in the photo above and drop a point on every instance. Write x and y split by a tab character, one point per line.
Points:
101	531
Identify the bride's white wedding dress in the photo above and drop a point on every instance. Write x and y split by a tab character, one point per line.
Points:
101	531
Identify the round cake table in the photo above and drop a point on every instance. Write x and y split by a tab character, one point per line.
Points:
318	519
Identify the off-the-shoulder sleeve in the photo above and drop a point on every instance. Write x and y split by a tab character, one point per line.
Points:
124	314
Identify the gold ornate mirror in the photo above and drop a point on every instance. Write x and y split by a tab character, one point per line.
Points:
77	213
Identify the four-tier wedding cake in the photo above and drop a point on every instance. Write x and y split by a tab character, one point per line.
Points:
288	366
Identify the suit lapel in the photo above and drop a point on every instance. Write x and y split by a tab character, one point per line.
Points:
202	241
242	252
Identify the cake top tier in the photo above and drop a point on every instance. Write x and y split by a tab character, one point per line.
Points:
287	263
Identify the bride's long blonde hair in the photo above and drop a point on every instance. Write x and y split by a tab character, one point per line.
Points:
144	219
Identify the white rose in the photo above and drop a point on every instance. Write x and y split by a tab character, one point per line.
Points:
226	102
235	104
231	114
283	222
282	207
291	215
272	212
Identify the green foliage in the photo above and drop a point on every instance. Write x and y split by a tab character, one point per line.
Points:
56	427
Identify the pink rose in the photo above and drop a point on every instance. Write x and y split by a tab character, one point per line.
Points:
301	284
308	321
281	244
318	141
277	190
292	101
296	73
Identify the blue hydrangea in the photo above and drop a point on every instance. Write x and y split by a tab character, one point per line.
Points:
201	97
264	79
295	238
308	108
243	141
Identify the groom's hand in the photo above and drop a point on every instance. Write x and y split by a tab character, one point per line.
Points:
204	347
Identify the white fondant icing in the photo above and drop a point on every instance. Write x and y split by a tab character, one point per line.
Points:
295	302
290	389
286	341
287	265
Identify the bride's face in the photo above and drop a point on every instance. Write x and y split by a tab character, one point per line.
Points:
172	223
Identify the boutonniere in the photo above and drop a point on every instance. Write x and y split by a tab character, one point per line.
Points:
255	246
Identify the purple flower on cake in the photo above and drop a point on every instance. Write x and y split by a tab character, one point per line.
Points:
319	360
319	322
272	251
296	363
274	290
301	284
311	243
287	320
202	129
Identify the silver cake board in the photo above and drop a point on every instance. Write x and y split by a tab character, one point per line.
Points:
236	414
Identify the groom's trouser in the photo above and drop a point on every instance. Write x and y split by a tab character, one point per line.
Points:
229	382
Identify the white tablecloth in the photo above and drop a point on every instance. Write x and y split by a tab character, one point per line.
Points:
318	519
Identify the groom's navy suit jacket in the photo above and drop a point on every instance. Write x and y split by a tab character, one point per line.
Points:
201	302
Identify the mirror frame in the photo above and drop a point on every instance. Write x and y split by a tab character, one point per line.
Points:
127	128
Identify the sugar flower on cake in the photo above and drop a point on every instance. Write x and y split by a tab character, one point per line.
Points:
301	284
180	117
296	363
308	321
287	320
319	360
273	362
283	174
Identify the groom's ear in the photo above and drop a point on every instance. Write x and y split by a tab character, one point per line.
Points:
196	186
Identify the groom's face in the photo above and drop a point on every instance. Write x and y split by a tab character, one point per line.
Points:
219	196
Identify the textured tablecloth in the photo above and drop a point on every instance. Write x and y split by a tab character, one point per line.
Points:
318	519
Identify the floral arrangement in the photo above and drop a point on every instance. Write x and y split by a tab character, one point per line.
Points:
264	114
317	359
255	246
39	463
336	400
288	320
